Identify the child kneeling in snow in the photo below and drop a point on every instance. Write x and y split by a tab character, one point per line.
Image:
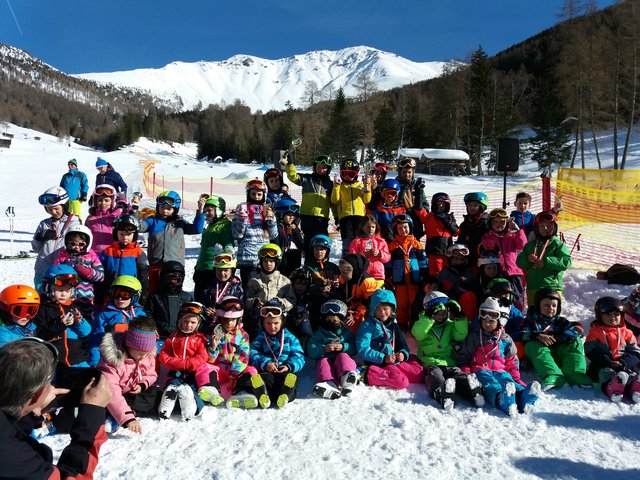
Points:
438	328
128	362
491	354
277	355
614	354
332	346
383	348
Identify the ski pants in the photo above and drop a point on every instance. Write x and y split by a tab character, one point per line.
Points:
560	359
405	296
348	230
397	376
276	387
332	369
493	383
435	376
219	377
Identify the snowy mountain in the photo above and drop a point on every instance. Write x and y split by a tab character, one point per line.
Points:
267	85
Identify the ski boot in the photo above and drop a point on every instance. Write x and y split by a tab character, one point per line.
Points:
525	399
326	390
506	400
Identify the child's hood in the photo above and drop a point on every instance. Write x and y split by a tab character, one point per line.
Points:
381	296
359	264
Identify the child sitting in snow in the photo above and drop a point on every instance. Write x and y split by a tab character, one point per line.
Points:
356	287
553	343
614	354
277	355
225	283
631	308
382	346
332	346
128	362
491	354
440	326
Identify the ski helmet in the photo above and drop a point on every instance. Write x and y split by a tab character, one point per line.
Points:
286	205
493	309
53	196
461	248
379	167
402	218
256	184
103	190
270	250
273	308
440	197
547	216
546	292
59	275
334	307
499	287
391	184
171	199
219	203
229	307
21	301
477	197
349	170
83	231
192	308
326	159
129	284
607	305
432	299
300	275
224	257
272	172
488	260
128	223
321	241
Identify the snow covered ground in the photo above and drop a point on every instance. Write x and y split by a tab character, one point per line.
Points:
374	433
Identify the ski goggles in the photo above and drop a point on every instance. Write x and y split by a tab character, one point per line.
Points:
73	244
168	201
390	192
121	293
407	163
324	159
256	184
193	308
230	306
292	209
127	228
104	192
174	279
401	218
462	252
270	311
489	315
349	174
498	213
223	258
49	199
269	253
24	311
65	279
331	308
545	217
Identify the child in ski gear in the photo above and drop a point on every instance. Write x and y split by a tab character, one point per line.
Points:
369	243
350	197
407	268
115	316
77	254
440	326
124	257
76	185
58	321
475	223
267	285
507	239
102	213
273	179
457	281
521	215
128	362
389	207
253	224
440	226
489	352
613	352
382	346
277	355
216	232
378	172
287	213
325	275
49	235
501	289
631	307
166	231
545	258
19	305
298	319
333	345
412	192
488	269
317	188
356	287
185	355
164	304
553	343
225	283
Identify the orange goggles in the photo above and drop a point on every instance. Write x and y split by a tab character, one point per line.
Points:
268	253
65	279
24	311
104	192
191	308
223	258
122	293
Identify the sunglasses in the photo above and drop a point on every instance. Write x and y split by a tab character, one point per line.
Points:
122	294
407	162
77	244
498	213
270	311
48	199
24	311
489	315
328	308
170	202
268	253
231	307
65	279
103	192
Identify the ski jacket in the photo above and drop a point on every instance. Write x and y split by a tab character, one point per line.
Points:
513	326
252	230
232	352
22	456
217	232
218	290
472	229
408	263
89	269
605	344
107	320
100	222
384	214
436	340
524	220
69	341
184	352
47	250
166	238
267	287
163	308
111	177
350	198
324	336
440	228
562	329
316	192
288	235
363	244
556	260
75	183
454	281
124	374
12	332
508	245
494	351
282	348
130	260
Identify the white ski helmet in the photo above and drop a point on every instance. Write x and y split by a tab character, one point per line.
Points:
491	307
83	230
432	299
53	196
488	260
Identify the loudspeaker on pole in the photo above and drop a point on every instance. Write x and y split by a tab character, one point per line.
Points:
508	155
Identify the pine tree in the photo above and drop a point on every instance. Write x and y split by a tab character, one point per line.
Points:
339	137
386	135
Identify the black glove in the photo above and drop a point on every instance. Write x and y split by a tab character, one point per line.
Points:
83	197
418	198
45	235
454	308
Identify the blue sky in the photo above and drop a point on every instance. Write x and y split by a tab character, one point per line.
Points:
81	36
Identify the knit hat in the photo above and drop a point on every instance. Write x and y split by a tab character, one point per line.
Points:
73	161
143	340
101	163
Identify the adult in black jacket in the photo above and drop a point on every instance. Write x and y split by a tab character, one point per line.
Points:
107	175
26	369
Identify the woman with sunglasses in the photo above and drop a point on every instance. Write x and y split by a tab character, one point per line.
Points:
317	188
19	305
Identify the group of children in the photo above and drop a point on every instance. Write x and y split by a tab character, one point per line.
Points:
242	340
